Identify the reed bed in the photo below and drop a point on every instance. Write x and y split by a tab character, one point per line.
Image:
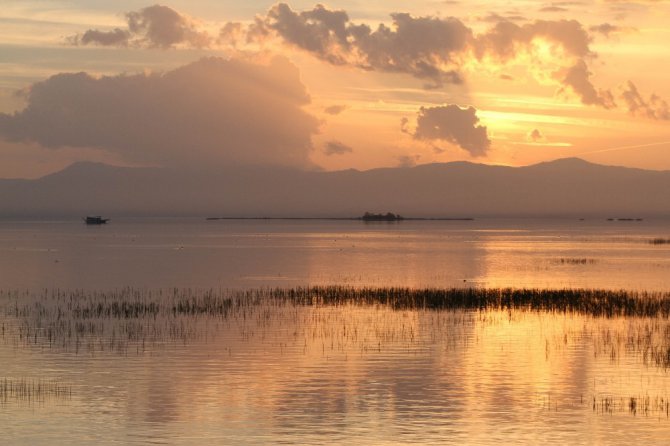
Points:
131	303
605	303
31	391
132	319
339	320
636	405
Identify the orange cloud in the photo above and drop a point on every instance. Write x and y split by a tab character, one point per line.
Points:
210	112
155	26
453	124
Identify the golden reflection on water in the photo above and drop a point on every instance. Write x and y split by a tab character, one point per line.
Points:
352	373
560	261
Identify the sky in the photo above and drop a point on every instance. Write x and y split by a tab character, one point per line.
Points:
338	85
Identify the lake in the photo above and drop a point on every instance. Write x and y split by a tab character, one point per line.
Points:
276	371
241	254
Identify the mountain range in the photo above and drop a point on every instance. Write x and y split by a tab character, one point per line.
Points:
569	187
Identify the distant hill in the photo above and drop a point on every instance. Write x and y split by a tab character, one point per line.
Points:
460	189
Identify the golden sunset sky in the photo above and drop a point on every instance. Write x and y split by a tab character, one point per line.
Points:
344	84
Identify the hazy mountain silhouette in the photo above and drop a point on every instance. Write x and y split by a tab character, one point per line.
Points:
460	189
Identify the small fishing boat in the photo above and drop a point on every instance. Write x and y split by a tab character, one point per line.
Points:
95	220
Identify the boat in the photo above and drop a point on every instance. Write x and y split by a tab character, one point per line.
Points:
95	220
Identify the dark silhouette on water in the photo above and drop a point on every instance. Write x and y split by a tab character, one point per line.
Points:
95	220
389	216
366	217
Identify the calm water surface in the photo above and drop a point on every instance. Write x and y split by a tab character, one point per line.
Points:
335	375
242	254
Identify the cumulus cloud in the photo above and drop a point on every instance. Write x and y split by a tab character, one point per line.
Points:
567	38
320	31
424	47
505	39
453	124
115	37
652	108
211	112
336	148
434	49
577	78
155	26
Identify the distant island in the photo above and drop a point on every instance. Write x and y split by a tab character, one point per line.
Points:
389	216
367	217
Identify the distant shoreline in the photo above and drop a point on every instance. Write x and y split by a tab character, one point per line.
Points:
343	219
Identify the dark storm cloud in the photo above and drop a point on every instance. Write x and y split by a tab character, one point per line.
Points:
155	26
453	124
336	148
210	112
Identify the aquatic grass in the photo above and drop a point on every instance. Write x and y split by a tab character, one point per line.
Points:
660	241
137	304
53	314
31	390
131	320
343	320
635	405
594	302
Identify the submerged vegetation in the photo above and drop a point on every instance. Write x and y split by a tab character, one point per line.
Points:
660	241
